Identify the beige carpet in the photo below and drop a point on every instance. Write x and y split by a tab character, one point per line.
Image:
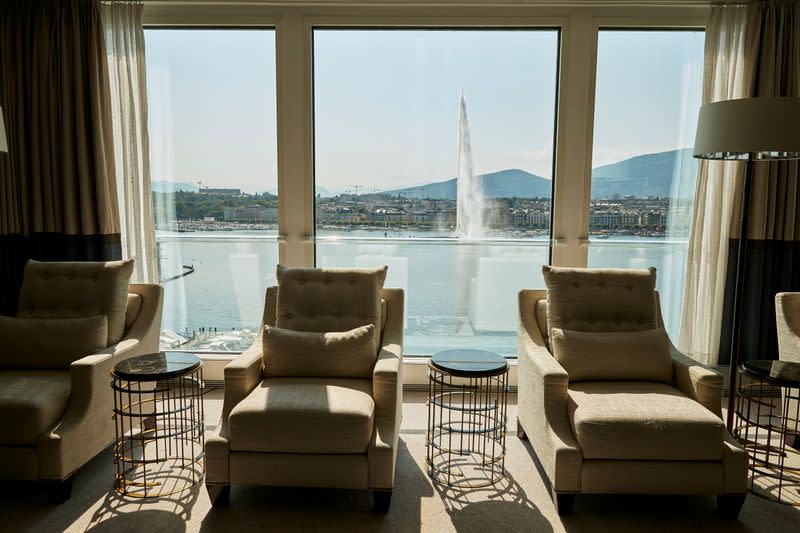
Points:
519	503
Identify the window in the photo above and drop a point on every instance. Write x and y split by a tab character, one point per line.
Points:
434	156
212	125
648	94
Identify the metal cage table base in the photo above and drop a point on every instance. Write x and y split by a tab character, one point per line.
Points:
768	426
160	432
465	437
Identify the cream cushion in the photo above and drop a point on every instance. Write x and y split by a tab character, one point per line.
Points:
615	355
31	402
77	289
332	299
608	299
338	354
642	421
52	343
304	415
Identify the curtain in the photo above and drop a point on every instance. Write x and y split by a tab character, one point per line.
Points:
773	238
126	66
58	195
751	50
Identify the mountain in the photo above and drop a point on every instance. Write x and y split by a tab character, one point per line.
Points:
172	186
502	184
647	175
640	176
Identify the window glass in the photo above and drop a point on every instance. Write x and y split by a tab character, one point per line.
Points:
212	126
434	156
648	95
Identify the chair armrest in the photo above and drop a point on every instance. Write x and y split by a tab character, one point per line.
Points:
542	403
87	424
697	381
242	375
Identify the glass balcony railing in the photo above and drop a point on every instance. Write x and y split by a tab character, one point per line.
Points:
458	293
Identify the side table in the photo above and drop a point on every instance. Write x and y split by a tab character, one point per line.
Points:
160	431
768	425
466	435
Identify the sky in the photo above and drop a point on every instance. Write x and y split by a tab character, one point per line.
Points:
386	102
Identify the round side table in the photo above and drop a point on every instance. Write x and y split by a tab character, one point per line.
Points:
158	412
768	426
466	437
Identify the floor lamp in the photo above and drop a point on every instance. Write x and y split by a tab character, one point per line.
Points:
750	130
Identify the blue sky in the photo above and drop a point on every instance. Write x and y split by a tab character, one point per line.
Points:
386	102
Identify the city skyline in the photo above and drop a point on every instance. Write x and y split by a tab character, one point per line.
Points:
190	128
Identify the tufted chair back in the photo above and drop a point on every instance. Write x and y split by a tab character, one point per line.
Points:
601	299
319	299
77	289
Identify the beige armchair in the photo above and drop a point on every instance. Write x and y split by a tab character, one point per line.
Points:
787	314
311	432
625	436
57	419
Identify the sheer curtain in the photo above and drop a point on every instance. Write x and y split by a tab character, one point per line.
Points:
730	52
122	23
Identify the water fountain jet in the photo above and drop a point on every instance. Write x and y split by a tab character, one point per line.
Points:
470	202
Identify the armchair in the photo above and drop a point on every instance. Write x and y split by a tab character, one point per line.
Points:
310	431
622	436
57	419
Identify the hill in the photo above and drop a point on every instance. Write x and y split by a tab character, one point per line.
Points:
640	176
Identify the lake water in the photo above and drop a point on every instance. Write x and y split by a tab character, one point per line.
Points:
458	294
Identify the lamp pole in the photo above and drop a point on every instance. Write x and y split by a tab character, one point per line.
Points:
738	295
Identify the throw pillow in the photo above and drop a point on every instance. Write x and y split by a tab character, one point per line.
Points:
339	354
50	343
614	355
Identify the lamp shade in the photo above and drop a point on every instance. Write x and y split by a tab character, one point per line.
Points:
766	128
3	142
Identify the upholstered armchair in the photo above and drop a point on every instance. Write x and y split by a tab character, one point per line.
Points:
633	415
308	431
787	314
56	401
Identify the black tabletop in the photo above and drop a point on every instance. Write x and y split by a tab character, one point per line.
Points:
156	366
469	363
783	373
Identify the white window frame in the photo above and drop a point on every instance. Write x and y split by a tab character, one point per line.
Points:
579	24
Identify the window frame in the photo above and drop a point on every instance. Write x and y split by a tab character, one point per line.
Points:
578	25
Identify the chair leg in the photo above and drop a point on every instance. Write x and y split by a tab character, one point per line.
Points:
564	503
382	499
218	494
729	505
59	492
520	431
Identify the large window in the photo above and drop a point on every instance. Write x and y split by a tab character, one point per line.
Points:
434	156
212	126
648	94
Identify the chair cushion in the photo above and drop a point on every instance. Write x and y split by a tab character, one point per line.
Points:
132	310
31	402
642	420
304	415
600	299
329	299
52	343
338	354
614	355
77	289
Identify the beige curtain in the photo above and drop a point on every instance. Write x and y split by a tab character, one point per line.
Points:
730	59
58	195
751	50
122	22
